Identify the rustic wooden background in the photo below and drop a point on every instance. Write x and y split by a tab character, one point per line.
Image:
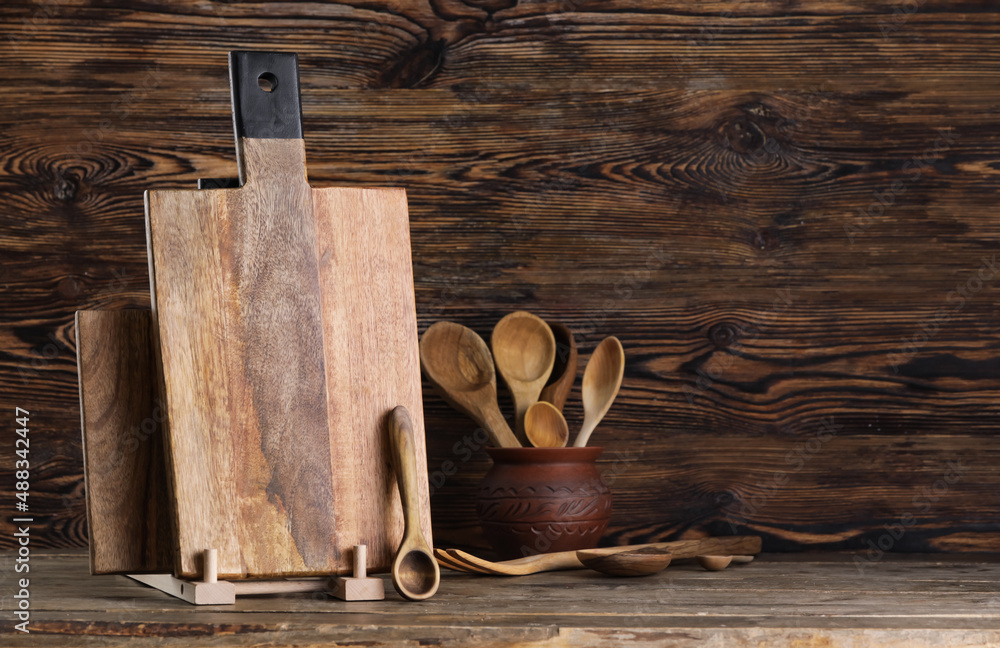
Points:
785	210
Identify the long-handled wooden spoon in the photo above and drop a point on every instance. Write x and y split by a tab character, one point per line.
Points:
545	426
456	558
564	371
415	573
524	350
601	380
459	366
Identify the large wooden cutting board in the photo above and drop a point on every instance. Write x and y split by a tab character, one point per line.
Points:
285	325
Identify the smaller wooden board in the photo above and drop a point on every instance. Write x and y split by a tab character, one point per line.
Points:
128	512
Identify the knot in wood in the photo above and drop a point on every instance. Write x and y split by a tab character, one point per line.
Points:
766	239
491	6
724	498
65	189
745	136
724	335
68	287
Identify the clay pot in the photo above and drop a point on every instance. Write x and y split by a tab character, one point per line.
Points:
540	500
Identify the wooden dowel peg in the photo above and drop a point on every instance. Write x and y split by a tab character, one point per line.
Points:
211	572
360	561
359	587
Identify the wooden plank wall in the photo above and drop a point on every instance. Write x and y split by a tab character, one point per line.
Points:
785	210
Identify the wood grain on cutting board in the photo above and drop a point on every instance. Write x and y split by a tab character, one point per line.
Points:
127	506
259	415
367	287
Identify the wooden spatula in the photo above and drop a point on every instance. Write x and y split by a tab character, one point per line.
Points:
285	323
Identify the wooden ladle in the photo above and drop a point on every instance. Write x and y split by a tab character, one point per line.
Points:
601	381
524	350
545	426
459	366
415	572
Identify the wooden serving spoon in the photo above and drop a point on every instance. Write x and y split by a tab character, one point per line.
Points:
545	426
601	381
524	350
415	572
637	562
459	366
464	561
564	371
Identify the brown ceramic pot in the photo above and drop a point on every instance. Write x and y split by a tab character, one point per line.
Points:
540	500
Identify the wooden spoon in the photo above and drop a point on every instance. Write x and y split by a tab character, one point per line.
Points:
415	572
637	562
459	366
564	371
714	563
601	381
740	545
545	426
524	350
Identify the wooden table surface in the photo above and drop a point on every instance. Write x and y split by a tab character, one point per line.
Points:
804	600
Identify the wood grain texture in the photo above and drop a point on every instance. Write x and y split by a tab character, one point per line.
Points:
235	286
128	508
372	362
713	184
287	331
801	600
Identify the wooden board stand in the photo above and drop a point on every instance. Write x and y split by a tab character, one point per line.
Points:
211	591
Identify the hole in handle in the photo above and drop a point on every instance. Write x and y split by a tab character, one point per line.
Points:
267	82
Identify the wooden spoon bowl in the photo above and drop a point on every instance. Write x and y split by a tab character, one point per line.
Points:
545	426
601	381
714	563
459	366
524	351
638	562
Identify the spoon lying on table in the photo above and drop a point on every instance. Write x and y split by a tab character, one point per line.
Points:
718	563
458	363
524	350
636	562
601	381
463	561
564	370
545	426
415	572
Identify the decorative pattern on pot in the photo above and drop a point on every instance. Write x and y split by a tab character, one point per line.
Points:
539	500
